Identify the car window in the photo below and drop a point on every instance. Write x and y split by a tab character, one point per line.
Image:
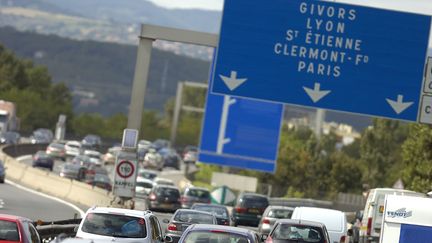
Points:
218	211
144	184
214	237
198	193
297	232
115	225
254	201
193	217
167	192
9	231
280	213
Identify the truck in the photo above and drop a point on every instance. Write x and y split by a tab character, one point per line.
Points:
406	219
8	118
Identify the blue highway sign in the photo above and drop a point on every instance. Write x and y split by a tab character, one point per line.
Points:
240	133
323	54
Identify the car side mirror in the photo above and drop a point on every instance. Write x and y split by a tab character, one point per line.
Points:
166	221
350	232
168	239
264	237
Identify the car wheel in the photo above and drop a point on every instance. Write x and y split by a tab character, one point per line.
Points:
51	169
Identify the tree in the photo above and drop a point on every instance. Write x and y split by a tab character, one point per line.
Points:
417	158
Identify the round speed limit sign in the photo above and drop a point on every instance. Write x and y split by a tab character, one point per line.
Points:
125	169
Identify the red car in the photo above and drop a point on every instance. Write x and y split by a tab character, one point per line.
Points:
17	229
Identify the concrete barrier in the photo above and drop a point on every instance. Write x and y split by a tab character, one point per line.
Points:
54	185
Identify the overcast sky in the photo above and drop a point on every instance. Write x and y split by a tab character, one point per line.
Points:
418	6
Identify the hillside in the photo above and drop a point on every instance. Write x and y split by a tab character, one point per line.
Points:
105	69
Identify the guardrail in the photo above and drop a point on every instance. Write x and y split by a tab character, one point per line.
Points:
48	231
17	150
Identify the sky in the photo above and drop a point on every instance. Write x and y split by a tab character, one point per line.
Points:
417	6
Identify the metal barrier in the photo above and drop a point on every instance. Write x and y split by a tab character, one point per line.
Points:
48	231
16	150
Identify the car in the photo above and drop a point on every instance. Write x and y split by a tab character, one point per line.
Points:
91	141
221	212
56	150
163	198
2	172
147	174
294	230
93	170
101	181
144	144
42	136
10	137
73	148
17	229
163	181
170	158
95	156
334	220
143	187
208	233
271	215
83	160
120	225
72	171
249	208
161	143
153	160
183	218
374	209
43	160
190	154
193	195
110	156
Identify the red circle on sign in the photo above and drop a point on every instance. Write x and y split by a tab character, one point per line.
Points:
125	174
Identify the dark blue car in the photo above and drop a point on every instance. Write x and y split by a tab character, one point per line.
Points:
42	159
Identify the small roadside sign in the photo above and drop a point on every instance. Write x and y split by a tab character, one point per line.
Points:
125	175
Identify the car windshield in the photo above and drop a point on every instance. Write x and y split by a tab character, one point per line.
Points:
297	232
214	237
193	217
8	231
200	193
218	211
114	225
280	213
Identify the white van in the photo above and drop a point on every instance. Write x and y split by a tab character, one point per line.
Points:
406	219
334	220
373	212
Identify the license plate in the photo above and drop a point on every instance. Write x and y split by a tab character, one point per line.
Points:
166	205
253	210
381	209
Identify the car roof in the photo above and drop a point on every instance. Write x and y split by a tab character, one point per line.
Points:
9	217
128	212
279	207
209	227
166	186
197	188
140	179
300	222
209	205
192	211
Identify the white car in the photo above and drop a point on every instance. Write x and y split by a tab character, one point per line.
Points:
120	225
143	187
73	148
95	156
153	160
163	181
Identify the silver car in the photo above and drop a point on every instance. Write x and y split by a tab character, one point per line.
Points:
271	215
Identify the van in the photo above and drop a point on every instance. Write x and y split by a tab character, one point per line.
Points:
373	212
334	220
406	219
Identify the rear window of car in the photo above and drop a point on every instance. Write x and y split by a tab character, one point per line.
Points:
9	231
144	184
280	213
300	233
194	217
214	237
219	212
57	145
121	226
198	193
254	201
168	192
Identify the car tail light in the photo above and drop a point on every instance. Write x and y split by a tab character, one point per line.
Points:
269	239
369	226
240	210
152	197
183	199
226	222
172	227
342	239
266	221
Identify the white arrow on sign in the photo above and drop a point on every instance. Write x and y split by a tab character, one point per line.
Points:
316	94
233	82
399	106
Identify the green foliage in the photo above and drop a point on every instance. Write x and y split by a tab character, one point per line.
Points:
205	171
417	158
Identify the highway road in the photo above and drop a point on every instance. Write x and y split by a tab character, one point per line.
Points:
18	201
